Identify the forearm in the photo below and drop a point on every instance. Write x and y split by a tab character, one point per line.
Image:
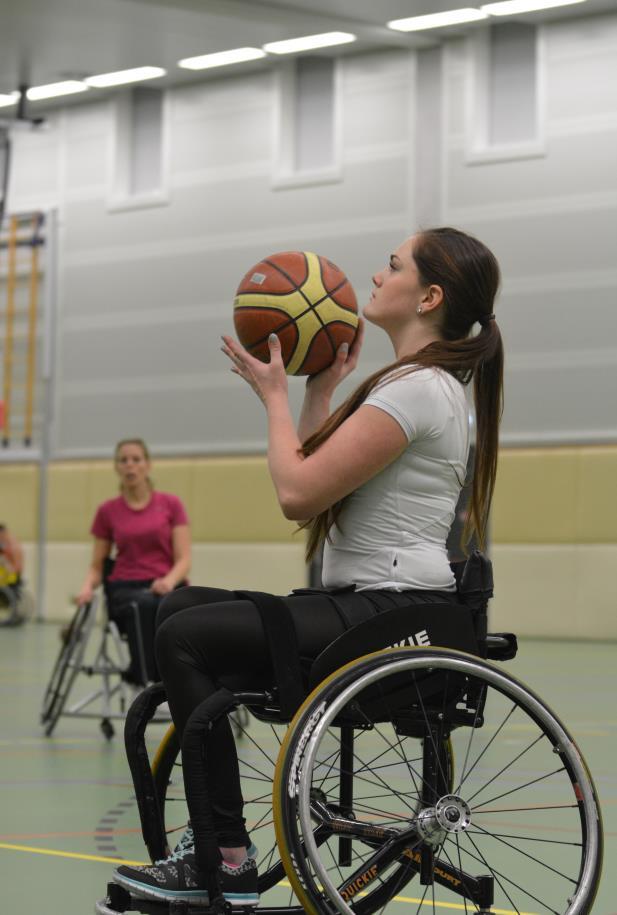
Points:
93	578
284	461
179	571
315	411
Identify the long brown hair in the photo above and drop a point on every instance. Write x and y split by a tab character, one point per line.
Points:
468	274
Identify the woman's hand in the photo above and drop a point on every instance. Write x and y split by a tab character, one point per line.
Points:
161	586
266	378
85	596
324	383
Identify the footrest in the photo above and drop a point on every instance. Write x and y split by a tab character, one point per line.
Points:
118	900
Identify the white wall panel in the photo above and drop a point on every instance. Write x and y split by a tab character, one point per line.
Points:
145	293
558	176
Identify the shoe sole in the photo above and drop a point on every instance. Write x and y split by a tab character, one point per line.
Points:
143	891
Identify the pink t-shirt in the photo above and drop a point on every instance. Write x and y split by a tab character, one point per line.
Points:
142	536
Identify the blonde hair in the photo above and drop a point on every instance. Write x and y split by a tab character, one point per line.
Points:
131	441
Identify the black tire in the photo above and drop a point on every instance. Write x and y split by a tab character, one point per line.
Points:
9	607
528	816
66	667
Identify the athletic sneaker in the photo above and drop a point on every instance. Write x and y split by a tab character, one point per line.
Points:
187	841
177	879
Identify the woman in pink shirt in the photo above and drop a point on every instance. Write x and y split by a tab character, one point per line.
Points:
148	531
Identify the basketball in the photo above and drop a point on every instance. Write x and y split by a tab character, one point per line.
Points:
306	300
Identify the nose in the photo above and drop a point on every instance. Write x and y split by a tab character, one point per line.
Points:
376	279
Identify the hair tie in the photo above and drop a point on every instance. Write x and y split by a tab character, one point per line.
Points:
483	320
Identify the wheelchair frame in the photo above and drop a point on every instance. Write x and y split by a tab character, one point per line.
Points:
415	851
70	663
343	851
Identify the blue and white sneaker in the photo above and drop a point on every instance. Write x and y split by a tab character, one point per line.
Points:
187	841
176	879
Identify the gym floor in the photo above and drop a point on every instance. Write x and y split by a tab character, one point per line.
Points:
68	812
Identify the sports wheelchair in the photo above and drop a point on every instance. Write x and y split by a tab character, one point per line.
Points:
110	661
411	774
106	703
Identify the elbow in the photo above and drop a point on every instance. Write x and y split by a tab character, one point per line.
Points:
296	507
291	511
293	507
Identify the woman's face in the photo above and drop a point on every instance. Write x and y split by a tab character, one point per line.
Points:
397	290
132	466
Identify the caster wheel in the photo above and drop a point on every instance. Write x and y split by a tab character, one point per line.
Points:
107	728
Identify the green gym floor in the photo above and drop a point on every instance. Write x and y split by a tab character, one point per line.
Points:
68	812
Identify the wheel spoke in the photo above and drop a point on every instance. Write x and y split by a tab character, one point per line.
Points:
533	781
505	768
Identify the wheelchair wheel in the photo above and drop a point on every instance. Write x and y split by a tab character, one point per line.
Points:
257	774
67	666
10	614
519	831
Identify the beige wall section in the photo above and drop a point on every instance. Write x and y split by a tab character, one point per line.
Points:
228	499
554	542
554	532
276	567
241	539
19	499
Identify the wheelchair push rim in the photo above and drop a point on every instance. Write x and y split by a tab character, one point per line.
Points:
520	835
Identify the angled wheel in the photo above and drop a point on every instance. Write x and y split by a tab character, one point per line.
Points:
66	668
518	830
9	607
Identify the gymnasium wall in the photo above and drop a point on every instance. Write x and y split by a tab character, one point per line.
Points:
145	291
554	556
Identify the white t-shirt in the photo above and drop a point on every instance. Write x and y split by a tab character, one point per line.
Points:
392	531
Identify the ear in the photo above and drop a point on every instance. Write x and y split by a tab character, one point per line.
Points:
432	298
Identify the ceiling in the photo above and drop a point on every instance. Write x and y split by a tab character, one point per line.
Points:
44	41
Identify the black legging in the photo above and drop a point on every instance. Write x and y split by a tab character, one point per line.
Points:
133	607
207	638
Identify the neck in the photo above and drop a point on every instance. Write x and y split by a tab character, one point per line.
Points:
138	493
409	340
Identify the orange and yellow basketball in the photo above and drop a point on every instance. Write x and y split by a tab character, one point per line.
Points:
306	300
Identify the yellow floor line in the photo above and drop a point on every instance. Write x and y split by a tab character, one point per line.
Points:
68	854
438	905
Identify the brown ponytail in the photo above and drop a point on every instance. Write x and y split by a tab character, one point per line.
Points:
468	274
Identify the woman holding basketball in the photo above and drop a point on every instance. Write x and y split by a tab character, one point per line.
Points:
378	479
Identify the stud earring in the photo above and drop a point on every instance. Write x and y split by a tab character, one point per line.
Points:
419	309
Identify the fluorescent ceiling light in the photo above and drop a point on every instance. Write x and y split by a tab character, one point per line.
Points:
51	90
325	40
11	99
511	7
221	58
437	20
120	77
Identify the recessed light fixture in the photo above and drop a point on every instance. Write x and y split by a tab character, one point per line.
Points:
120	77
51	90
221	58
308	42
512	7
437	20
11	99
